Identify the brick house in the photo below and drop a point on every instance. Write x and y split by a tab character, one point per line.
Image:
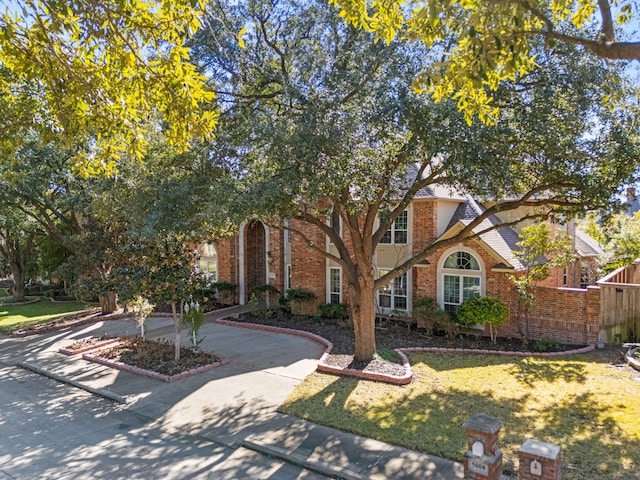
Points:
260	254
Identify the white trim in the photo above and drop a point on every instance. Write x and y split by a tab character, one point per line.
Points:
242	284
328	279
241	262
409	305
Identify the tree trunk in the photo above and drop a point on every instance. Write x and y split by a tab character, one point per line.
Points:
108	302
176	327
18	278
363	312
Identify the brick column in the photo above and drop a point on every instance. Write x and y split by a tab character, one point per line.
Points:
539	461
483	458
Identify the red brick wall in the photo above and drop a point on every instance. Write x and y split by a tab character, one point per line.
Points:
425	224
226	249
308	267
566	315
563	314
276	258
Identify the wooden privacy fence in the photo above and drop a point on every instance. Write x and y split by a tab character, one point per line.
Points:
620	305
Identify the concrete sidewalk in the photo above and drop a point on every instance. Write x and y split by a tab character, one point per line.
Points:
234	405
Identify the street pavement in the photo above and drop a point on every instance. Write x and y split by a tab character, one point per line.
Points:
66	418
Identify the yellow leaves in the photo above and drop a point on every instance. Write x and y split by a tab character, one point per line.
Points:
241	33
583	12
113	81
625	14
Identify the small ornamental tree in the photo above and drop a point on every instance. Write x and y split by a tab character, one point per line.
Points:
483	310
163	275
539	251
141	310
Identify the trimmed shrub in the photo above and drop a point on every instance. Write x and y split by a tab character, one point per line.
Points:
428	313
546	345
302	302
265	294
483	310
334	311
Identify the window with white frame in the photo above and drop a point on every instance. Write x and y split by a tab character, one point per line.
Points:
330	224
335	285
287	277
399	232
393	296
461	279
208	263
287	232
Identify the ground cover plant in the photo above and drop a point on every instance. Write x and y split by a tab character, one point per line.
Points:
585	403
13	317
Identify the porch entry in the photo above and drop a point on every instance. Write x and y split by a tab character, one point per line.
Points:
255	249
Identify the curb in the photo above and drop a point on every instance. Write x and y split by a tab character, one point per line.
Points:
317	466
102	392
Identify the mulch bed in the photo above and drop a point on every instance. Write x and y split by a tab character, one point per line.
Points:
86	344
392	335
156	356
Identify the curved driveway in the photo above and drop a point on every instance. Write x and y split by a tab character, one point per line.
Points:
191	428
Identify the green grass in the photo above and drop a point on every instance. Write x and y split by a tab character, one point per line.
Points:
590	408
13	317
4	292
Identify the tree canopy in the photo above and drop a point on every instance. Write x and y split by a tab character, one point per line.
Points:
110	71
478	44
319	121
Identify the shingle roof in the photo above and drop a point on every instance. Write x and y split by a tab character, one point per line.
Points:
501	240
586	245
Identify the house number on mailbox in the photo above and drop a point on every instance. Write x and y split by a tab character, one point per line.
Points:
535	468
478	466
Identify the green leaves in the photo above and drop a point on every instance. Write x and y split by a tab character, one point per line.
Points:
113	71
463	35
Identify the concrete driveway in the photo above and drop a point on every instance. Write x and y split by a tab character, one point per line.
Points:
52	430
210	425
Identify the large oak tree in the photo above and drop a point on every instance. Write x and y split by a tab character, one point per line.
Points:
318	119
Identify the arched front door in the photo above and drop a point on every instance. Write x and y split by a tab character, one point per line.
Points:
255	256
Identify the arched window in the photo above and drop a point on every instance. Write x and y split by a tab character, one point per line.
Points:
461	278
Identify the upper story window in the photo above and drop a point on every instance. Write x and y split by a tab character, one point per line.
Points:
399	231
461	261
287	232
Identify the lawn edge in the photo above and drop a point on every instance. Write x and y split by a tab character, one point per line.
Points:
324	367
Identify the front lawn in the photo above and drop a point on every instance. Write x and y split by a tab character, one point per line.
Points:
581	402
13	317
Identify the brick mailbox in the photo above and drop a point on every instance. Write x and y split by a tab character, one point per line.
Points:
483	458
539	461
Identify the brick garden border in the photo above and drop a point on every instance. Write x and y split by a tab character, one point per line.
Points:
76	351
151	374
62	324
403	352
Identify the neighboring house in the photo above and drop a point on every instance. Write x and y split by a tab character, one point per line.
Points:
260	254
